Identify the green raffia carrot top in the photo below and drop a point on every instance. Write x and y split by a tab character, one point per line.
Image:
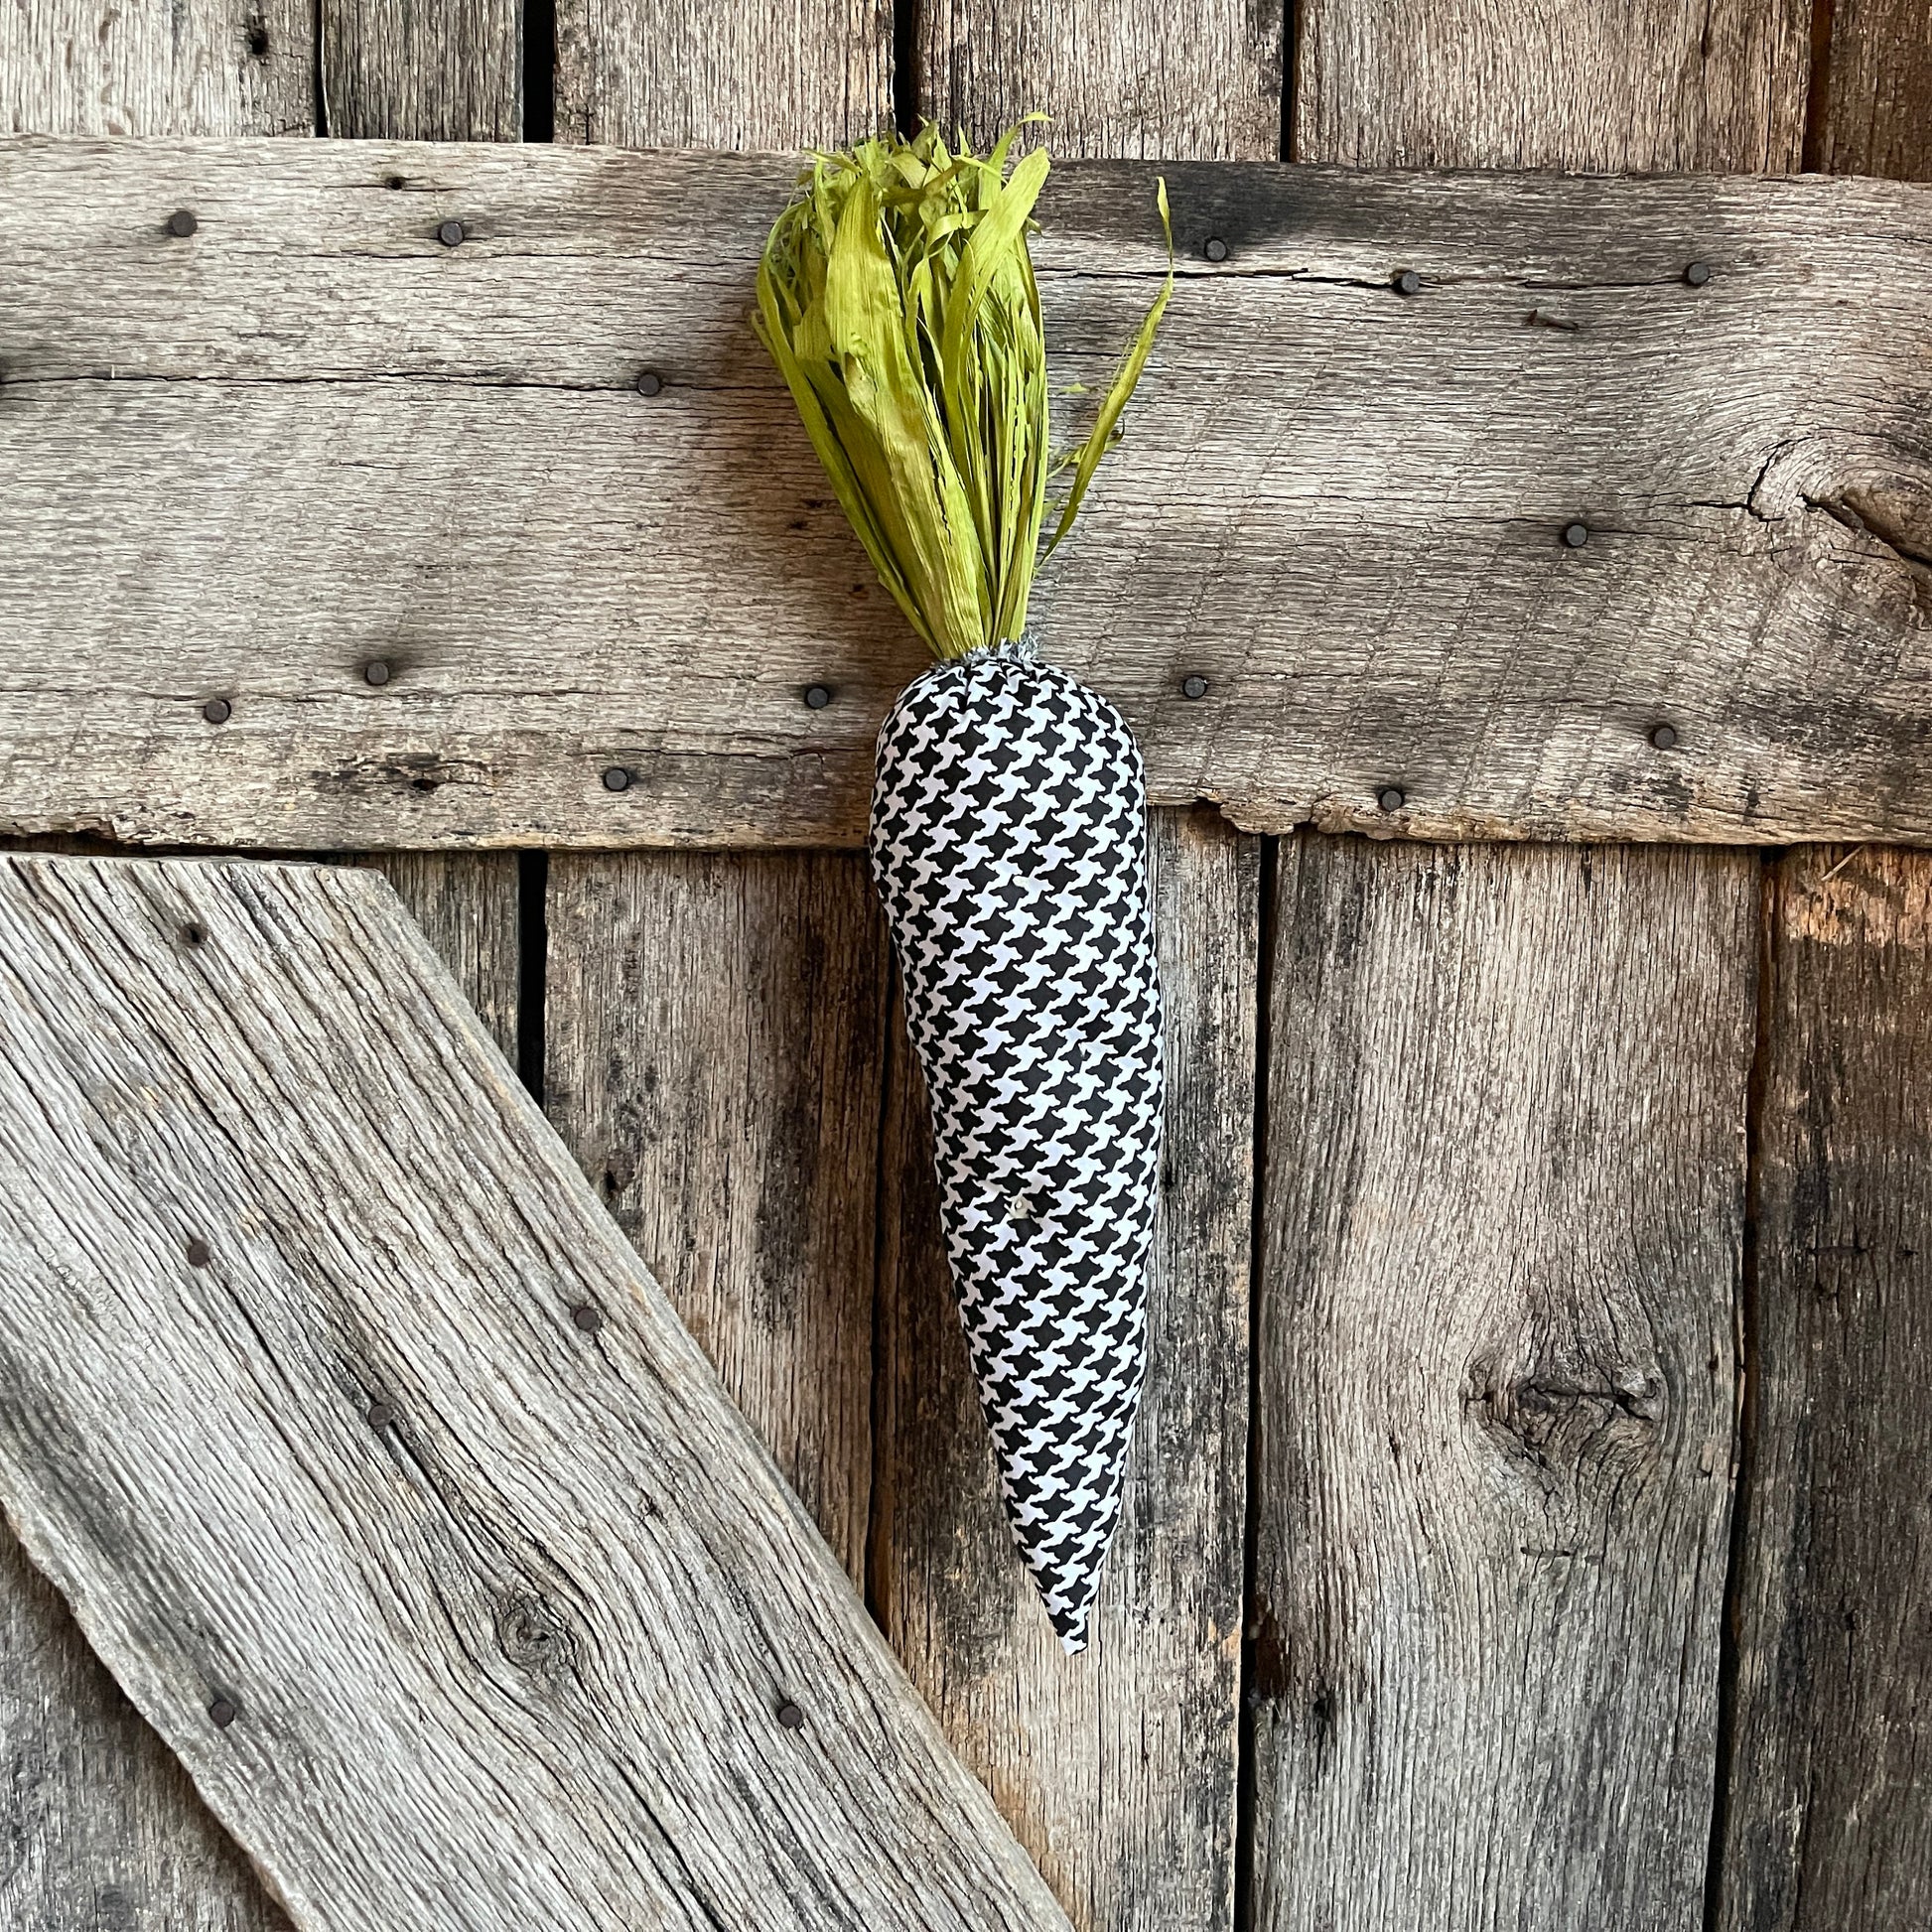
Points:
896	296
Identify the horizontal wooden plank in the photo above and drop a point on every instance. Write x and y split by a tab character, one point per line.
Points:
244	464
382	1475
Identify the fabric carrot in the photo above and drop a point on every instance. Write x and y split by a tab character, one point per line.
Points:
1009	813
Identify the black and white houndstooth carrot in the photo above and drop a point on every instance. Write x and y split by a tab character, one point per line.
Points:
1009	814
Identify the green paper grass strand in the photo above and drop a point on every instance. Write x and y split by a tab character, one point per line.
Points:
896	296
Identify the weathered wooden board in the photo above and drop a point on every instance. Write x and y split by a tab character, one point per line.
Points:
1118	1767
544	1637
1504	1218
715	1029
714	1025
396	70
1341	506
689	73
100	1827
1180	80
1553	83
1876	92
133	67
469	907
1829	1820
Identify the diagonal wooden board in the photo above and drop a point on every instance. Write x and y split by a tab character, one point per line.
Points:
243	464
338	1410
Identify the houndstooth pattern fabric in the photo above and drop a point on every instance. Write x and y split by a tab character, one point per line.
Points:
1009	840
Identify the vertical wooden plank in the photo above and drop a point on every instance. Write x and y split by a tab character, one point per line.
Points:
1877	114
714	1033
1504	1208
1116	1768
688	74
100	1829
1546	86
1830	1820
745	978
196	66
468	905
1659	85
398	71
1120	77
99	1826
1828	1809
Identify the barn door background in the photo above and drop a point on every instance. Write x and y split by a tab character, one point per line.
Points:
1523	1525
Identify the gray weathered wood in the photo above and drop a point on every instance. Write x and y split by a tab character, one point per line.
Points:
157	66
1504	1216
520	1644
100	1829
714	1026
1878	106
467	906
1118	1767
689	73
1828	1826
400	70
714	1031
1553	83
1194	79
1375	589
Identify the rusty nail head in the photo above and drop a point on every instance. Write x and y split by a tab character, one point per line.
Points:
224	1713
377	672
182	223
588	1318
217	711
790	1715
1698	274
616	779
1194	687
818	696
649	383
381	1414
1664	737
449	233
1575	535
197	1253
1389	798
1216	250
1407	282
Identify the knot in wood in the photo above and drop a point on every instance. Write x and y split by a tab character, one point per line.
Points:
535	1637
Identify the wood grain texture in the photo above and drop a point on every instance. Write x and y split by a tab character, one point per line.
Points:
1830	1799
715	1032
100	1829
1196	79
466	904
570	576
687	73
1878	109
400	70
519	1642
1646	84
157	66
1504	1217
1117	1768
